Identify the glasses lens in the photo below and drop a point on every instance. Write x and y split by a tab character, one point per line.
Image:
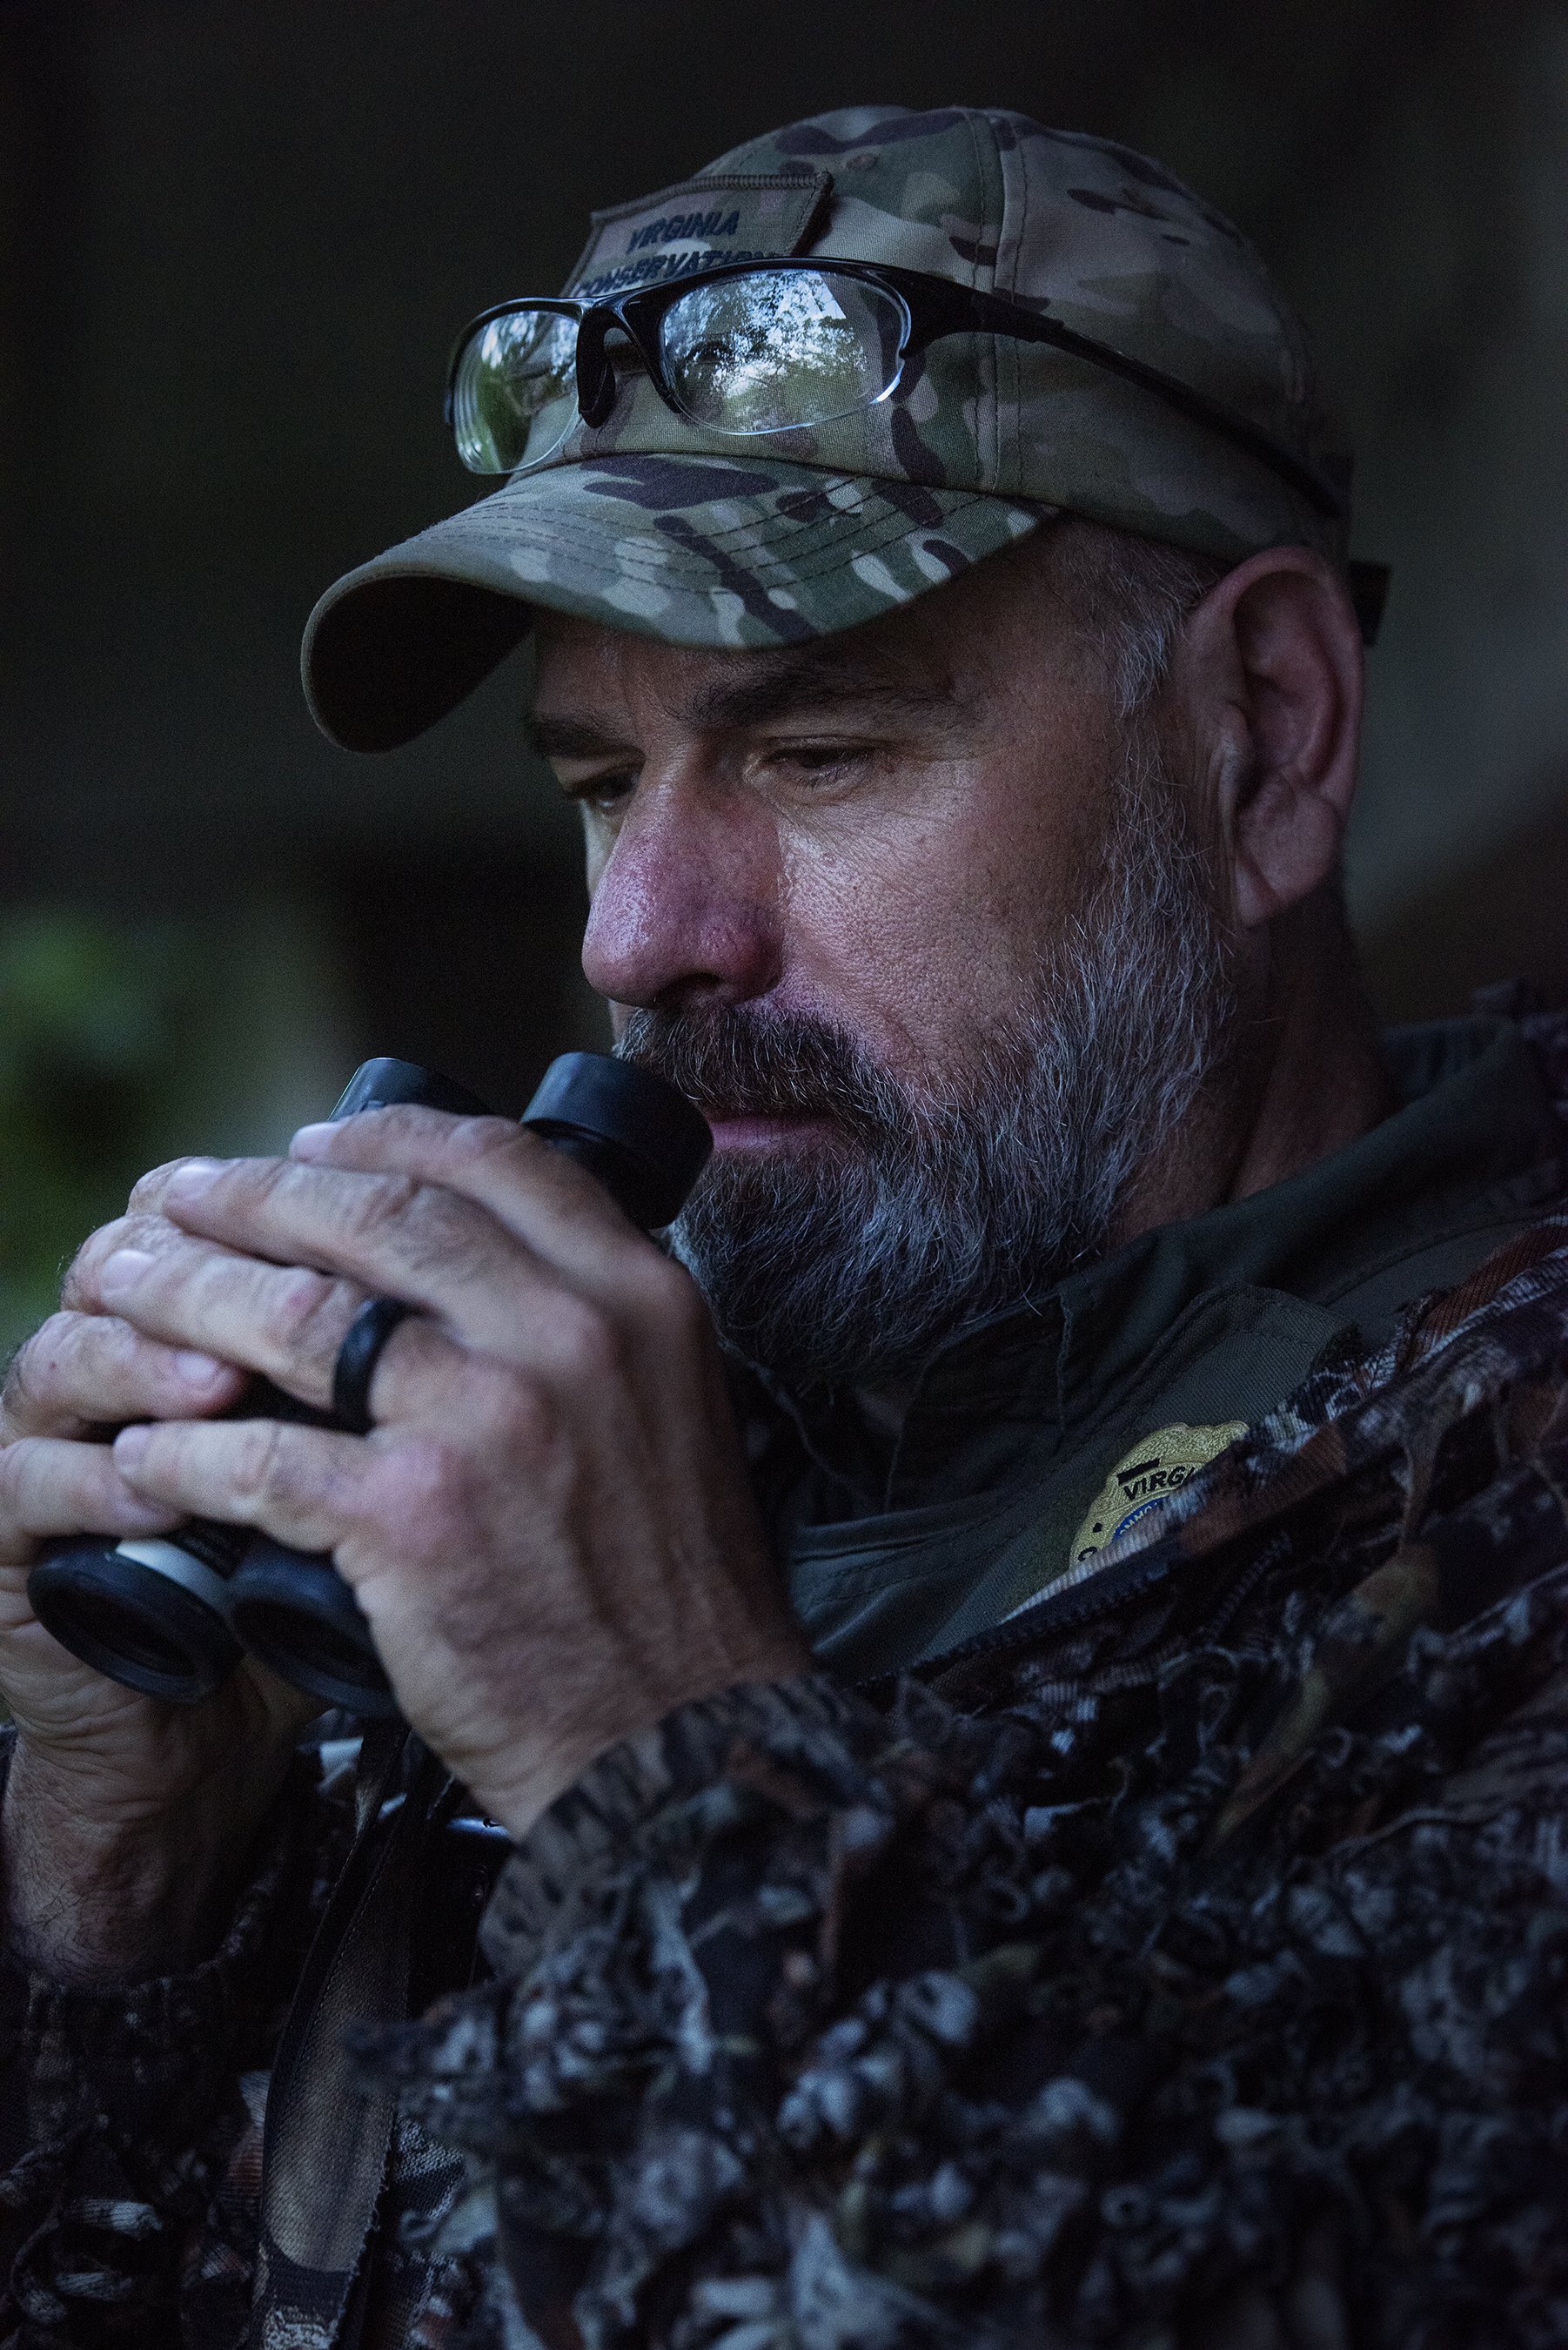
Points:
774	349
515	398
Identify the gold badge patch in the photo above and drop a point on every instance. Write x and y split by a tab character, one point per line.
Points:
1154	1468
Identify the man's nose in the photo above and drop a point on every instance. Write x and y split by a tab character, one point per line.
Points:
685	911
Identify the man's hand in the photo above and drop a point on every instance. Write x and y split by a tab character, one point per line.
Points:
126	1821
550	1528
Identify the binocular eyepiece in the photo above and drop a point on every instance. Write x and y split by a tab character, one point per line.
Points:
170	1615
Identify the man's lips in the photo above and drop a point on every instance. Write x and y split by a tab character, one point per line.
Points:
763	1130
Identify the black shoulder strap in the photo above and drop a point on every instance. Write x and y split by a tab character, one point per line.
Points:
327	2138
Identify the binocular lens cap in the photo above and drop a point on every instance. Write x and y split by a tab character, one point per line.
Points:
661	1141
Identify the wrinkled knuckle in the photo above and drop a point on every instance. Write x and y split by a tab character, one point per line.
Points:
79	1283
73	1281
13	1466
380	1205
438	1232
306	1309
148	1190
54	1335
33	1375
423	1497
473	1140
13	1399
264	1466
24	1374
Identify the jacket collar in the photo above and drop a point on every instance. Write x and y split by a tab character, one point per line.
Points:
1476	1131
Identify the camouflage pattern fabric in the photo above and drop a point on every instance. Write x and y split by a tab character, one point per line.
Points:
110	2225
1188	1967
651	523
1181	1965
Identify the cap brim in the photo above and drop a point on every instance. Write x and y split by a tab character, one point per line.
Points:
693	550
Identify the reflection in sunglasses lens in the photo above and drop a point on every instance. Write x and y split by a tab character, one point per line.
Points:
776	350
515	398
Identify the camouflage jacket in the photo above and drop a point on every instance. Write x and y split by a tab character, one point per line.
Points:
1185	1962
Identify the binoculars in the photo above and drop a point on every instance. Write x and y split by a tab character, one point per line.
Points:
170	1615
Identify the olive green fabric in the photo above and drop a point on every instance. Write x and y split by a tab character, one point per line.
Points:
897	1553
650	524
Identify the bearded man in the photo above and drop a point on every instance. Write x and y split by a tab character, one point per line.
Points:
1013	1674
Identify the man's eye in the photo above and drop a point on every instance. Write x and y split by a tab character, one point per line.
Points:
601	792
822	758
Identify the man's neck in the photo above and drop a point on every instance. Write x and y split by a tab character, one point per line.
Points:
1308	1080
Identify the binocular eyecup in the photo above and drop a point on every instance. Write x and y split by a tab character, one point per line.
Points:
172	1614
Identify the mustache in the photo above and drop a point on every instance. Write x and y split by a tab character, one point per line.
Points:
745	1062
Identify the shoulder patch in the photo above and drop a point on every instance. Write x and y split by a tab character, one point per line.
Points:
1149	1471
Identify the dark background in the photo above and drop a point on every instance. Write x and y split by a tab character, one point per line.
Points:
234	243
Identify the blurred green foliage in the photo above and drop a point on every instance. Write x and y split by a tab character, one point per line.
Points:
126	1042
90	1018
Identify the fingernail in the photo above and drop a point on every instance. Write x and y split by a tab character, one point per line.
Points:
130	1445
198	1370
123	1270
193	1177
310	1140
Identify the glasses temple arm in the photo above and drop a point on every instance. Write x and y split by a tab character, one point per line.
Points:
992	311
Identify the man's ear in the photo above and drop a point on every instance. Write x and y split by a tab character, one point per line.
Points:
1268	678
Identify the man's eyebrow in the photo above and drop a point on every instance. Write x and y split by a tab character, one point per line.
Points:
820	679
568	738
788	686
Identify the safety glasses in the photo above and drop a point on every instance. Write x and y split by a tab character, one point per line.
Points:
749	347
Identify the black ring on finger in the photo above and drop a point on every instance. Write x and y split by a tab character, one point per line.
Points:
358	1357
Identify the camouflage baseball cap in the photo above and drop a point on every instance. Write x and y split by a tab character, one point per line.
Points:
653	524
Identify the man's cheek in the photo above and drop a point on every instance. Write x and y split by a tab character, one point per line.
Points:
914	951
861	962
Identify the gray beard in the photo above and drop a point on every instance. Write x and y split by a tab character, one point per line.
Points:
939	1205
